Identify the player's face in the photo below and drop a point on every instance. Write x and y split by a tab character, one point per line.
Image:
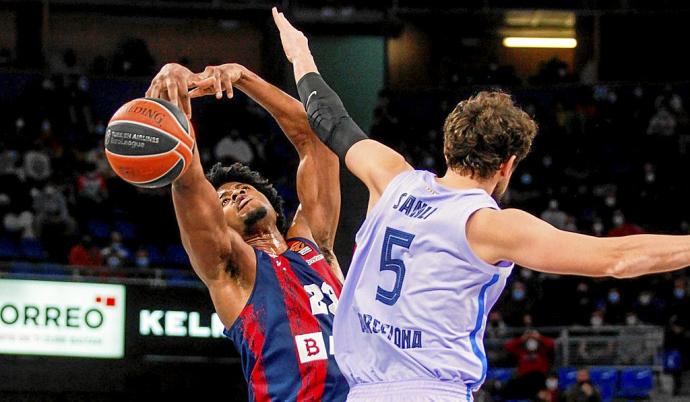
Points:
245	208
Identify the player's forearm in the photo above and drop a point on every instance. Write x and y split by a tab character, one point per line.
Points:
286	110
649	254
201	221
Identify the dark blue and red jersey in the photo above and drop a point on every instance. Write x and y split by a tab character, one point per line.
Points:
284	334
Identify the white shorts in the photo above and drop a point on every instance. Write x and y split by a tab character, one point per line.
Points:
410	391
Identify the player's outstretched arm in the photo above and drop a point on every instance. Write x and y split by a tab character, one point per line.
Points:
372	162
318	181
514	235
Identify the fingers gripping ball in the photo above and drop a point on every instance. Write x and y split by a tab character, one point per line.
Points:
149	142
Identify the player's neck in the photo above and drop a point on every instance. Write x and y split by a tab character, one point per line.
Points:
453	179
270	241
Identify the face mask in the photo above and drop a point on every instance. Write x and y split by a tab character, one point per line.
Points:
551	384
526	274
614	297
518	294
596	321
142	262
610	201
531	345
598	227
645	299
679	293
618	220
631	320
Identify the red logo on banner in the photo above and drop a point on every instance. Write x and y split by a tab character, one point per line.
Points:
108	301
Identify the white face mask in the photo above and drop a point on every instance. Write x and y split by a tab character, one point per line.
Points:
596	321
532	345
551	384
631	320
645	299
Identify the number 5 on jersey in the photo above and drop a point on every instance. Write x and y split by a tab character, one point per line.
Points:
393	237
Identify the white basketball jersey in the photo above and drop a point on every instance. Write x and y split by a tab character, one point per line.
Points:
415	301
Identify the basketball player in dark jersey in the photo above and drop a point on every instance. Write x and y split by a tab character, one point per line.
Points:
274	288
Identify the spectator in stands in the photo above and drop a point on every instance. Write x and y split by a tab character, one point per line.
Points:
583	390
234	148
115	254
517	305
36	165
54	224
496	327
550	392
649	308
583	304
85	254
555	216
19	223
615	310
534	354
676	349
621	227
679	301
141	258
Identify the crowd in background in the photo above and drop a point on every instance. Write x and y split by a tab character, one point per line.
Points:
609	161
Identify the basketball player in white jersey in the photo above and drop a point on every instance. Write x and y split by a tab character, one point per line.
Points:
433	253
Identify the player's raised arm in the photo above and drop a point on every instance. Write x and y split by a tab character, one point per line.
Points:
318	181
372	162
210	243
514	235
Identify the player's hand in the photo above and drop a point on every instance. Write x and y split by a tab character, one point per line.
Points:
294	42
216	79
172	83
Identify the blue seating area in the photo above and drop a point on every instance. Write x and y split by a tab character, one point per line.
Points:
499	374
26	249
630	382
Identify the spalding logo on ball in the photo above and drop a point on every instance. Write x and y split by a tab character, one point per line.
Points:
149	142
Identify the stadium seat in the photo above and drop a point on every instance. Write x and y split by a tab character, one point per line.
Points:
501	375
126	229
567	376
605	379
31	249
8	250
155	257
98	229
175	255
22	267
636	382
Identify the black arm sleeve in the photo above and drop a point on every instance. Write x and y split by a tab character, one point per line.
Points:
327	115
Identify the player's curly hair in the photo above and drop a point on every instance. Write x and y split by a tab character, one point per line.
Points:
484	131
238	172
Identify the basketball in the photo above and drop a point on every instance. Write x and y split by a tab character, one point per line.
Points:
149	142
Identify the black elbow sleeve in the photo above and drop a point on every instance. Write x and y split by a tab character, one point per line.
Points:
327	115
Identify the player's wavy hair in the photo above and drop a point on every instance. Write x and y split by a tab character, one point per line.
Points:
484	131
238	172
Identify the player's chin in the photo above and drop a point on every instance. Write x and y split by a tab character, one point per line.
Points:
254	217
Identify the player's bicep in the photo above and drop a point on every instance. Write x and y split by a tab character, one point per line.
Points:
517	236
375	165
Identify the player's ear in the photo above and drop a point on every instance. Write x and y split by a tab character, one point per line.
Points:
508	166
